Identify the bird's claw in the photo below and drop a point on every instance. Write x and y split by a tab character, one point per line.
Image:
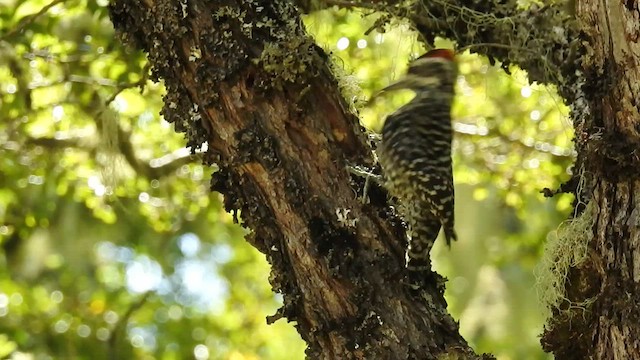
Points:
368	176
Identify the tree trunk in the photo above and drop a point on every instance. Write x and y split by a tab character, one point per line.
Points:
244	77
606	285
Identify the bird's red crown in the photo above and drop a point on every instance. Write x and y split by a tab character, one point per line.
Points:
447	54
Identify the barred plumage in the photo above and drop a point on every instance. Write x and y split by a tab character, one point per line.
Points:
415	154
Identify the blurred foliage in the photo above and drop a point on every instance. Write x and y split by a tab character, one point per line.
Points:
113	246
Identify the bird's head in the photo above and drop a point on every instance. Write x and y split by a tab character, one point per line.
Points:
434	70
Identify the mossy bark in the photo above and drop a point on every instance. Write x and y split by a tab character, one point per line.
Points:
244	77
608	143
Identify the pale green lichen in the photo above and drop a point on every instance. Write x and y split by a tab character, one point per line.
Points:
567	247
348	84
288	61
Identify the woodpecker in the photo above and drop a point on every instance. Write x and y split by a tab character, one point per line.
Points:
415	154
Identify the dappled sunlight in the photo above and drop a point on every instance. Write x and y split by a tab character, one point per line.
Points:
112	244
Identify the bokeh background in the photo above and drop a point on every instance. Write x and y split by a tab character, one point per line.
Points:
113	246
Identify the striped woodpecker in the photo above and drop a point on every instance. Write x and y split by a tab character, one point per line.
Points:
415	154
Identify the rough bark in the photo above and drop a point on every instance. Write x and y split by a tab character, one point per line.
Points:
244	77
608	142
592	54
282	137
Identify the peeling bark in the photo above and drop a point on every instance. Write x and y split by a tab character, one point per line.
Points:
244	77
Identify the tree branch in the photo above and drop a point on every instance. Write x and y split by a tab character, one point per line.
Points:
140	83
471	131
156	168
119	328
543	40
29	19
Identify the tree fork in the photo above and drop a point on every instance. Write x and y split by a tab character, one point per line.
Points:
244	77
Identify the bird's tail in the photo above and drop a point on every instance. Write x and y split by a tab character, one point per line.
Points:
423	235
449	234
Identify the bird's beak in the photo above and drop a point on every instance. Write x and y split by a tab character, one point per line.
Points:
403	83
